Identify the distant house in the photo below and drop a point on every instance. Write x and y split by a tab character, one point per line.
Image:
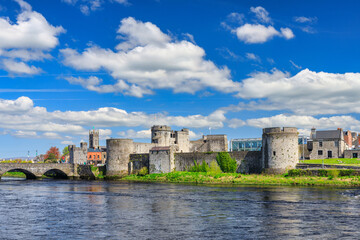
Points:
326	144
94	156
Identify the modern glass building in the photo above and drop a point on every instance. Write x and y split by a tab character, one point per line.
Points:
246	144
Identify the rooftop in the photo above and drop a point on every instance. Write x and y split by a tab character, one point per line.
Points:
327	134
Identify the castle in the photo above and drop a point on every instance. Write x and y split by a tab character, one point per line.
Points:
171	150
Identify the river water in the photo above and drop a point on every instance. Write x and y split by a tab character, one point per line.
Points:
66	209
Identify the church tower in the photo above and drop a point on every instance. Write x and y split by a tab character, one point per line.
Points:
94	139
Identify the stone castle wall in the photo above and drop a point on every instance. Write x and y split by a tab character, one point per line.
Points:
247	161
78	155
215	143
137	162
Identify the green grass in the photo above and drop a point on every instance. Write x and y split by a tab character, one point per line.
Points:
14	174
241	179
97	173
334	161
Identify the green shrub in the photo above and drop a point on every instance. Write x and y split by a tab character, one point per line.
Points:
214	168
346	172
226	163
322	173
294	172
333	173
143	171
203	167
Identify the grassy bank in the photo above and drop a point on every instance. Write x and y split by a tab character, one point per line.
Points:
334	161
14	174
251	179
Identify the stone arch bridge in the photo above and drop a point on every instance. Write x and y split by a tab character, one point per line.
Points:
36	170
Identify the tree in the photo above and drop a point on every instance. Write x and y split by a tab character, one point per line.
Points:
65	151
226	163
52	154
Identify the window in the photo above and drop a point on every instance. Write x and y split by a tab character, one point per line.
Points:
355	155
336	143
274	153
320	143
89	156
320	152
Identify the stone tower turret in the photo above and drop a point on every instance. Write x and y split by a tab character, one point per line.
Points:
279	149
94	139
118	155
162	135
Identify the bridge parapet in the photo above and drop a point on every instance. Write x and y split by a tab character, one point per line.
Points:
37	170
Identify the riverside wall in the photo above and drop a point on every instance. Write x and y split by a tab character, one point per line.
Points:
247	161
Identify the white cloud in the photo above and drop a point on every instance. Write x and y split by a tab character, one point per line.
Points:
146	134
135	134
235	123
306	122
30	38
287	33
295	65
19	67
261	14
307	92
67	142
148	59
88	6
255	33
303	19
18	106
31	30
24	134
253	57
22	119
258	32
51	135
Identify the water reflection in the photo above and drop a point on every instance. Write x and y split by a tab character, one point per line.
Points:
112	210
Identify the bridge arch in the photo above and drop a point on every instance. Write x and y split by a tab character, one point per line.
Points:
56	173
28	174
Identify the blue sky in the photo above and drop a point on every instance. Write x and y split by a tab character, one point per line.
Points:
120	66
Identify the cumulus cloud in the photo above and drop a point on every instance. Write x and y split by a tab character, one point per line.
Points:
31	37
235	123
259	32
307	92
146	134
135	134
19	67
149	59
24	134
21	118
306	122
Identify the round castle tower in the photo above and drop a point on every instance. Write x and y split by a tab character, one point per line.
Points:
118	154
279	149
162	135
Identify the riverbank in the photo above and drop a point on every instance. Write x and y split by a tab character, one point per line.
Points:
14	174
243	179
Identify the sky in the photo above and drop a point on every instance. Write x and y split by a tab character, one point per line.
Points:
219	67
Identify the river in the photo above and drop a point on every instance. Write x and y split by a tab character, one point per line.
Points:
66	209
